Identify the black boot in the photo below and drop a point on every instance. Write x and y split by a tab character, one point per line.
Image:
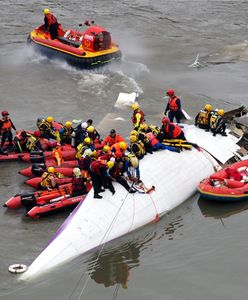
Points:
97	196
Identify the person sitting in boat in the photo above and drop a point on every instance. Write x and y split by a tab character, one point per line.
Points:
170	131
99	173
218	123
65	133
138	115
118	149
86	144
173	106
27	142
46	128
51	23
112	138
57	154
137	147
202	119
78	183
48	179
6	125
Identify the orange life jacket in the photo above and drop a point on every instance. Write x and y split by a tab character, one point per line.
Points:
176	130
6	124
110	141
118	151
172	103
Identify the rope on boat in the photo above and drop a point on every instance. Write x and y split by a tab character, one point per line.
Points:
99	254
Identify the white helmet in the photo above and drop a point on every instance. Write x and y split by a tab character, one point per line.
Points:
77	172
112	159
84	125
87	152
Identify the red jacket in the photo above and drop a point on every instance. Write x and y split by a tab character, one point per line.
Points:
49	20
110	141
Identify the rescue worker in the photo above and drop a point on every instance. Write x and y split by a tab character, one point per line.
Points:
57	155
105	153
218	123
46	128
131	167
117	175
87	144
202	119
99	173
173	106
5	129
142	136
93	134
137	147
156	145
20	141
79	134
112	138
51	23
118	149
65	133
48	179
78	183
86	159
171	131
138	115
33	143
24	141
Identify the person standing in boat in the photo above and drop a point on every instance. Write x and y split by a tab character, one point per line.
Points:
5	129
173	106
78	183
51	23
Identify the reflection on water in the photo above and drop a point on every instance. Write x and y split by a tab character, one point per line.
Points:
113	266
218	210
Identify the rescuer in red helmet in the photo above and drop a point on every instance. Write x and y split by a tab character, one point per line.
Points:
171	131
5	129
173	106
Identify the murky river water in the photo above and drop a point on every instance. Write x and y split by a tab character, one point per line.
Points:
197	252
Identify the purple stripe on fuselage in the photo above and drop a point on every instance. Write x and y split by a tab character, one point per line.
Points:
67	221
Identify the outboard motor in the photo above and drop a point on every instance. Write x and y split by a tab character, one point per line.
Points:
28	201
38	169
37	157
